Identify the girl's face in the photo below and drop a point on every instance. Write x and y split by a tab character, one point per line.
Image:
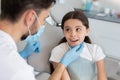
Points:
74	32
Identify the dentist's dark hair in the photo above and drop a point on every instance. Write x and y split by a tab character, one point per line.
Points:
79	15
13	9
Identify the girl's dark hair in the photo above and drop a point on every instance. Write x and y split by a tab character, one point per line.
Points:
13	9
76	15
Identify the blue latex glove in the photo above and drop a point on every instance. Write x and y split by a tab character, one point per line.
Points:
30	48
72	54
32	44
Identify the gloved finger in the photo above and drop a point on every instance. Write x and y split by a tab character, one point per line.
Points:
35	37
76	48
81	46
37	50
37	47
33	43
37	44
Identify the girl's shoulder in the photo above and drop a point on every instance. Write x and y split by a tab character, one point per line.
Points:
93	46
61	47
93	51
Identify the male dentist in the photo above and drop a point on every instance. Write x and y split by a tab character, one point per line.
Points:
20	19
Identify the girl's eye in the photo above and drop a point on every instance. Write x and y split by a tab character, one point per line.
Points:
78	29
67	30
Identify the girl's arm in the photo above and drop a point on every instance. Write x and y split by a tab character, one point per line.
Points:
65	75
101	70
56	75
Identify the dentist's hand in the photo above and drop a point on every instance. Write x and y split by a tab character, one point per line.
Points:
72	54
30	48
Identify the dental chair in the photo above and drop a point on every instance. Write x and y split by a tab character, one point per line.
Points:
49	39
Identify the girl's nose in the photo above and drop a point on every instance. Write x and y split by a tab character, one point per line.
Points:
73	34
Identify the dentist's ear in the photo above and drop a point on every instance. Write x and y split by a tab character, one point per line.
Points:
29	18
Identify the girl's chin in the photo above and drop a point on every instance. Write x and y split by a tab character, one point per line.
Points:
75	44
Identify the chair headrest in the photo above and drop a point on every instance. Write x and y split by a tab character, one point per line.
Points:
58	11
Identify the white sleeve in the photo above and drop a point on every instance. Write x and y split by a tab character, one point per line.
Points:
58	52
99	54
56	55
24	75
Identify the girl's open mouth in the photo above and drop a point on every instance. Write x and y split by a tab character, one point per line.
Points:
73	41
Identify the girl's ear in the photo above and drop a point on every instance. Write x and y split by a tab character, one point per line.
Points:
29	17
87	32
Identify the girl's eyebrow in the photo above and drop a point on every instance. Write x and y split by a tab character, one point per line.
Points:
66	26
78	26
75	26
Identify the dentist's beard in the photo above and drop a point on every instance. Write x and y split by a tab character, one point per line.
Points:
24	36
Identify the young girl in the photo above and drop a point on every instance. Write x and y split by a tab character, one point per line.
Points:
90	64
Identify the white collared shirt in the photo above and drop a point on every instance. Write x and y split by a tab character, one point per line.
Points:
12	65
91	52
